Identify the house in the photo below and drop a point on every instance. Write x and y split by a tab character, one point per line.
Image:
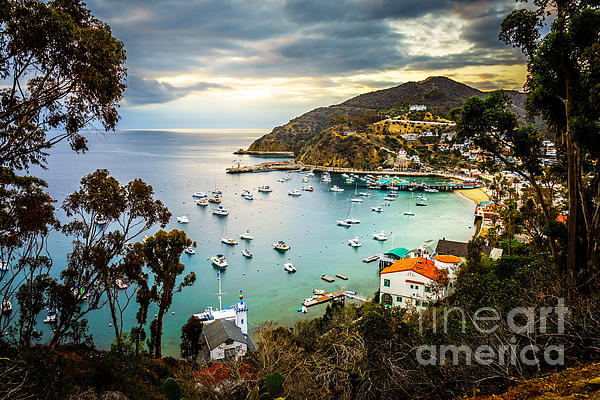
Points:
460	249
410	136
417	107
447	262
224	340
412	282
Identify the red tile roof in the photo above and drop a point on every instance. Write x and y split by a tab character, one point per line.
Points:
420	265
447	258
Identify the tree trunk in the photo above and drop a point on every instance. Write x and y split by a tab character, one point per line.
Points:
113	314
158	345
573	204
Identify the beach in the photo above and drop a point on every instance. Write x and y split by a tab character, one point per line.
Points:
475	195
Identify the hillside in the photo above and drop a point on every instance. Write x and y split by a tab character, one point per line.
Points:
302	135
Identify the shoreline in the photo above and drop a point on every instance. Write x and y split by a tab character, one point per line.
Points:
476	195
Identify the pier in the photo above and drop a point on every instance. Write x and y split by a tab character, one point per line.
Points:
371	258
325	297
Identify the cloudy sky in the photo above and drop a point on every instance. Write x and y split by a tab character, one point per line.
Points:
257	64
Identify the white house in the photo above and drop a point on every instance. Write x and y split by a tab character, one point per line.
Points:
417	107
411	282
448	262
224	340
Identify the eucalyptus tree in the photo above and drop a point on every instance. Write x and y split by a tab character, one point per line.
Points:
561	40
162	253
105	216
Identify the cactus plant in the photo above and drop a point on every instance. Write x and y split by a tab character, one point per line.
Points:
172	389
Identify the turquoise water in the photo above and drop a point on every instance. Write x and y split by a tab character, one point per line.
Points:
178	163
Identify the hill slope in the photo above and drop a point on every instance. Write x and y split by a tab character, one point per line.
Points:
302	134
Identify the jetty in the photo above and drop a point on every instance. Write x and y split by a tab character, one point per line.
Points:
371	258
283	154
327	278
344	277
324	297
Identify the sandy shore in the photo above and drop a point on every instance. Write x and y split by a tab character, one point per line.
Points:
475	195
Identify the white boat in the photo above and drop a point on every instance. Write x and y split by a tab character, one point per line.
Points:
245	192
308	188
392	194
343	223
345	176
216	192
220	211
409	213
6	306
214	199
356	200
281	245
420	196
219	261
202	202
281	180
377	209
120	284
352	220
228	240
246	235
354	242
190	251
51	317
336	188
325	178
183	219
246	253
295	192
365	194
265	188
381	236
289	267
388	198
199	195
249	196
303	309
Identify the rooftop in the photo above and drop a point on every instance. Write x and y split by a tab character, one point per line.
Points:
420	265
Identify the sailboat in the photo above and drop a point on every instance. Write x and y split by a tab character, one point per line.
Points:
349	218
356	199
408	211
226	239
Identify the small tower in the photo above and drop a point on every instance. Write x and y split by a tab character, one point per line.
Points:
241	314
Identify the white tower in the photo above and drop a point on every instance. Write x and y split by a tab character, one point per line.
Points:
241	314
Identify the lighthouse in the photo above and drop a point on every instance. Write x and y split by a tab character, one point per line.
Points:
241	314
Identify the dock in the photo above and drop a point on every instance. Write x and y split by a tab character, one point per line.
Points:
324	297
344	277
327	278
371	259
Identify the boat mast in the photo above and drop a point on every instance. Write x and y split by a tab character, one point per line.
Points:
220	293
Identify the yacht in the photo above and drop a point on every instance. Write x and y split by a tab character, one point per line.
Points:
6	306
265	188
421	204
294	192
120	284
190	251
51	317
336	188
247	253
365	194
308	188
219	261
220	211
199	195
289	267
216	192
377	209
381	236
245	192
246	235
343	223
281	245
183	219
202	202
215	199
249	196
356	200
228	240
409	213
352	220
388	198
354	242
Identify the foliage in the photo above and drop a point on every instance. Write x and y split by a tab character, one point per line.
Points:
191	338
274	383
172	389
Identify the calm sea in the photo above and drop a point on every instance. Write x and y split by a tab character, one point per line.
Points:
178	163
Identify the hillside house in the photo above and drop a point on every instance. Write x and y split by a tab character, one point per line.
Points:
224	340
412	282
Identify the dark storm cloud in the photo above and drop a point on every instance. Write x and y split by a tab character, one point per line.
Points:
293	38
149	91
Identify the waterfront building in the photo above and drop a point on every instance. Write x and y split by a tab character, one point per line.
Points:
412	282
224	340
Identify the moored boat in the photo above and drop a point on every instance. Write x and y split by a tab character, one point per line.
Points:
281	246
289	267
202	202
294	192
246	235
354	242
220	211
190	251
265	189
219	261
183	219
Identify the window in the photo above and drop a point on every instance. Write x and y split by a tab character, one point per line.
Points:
416	287
386	282
399	299
427	289
411	286
242	321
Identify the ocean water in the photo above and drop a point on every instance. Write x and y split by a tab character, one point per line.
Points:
178	163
